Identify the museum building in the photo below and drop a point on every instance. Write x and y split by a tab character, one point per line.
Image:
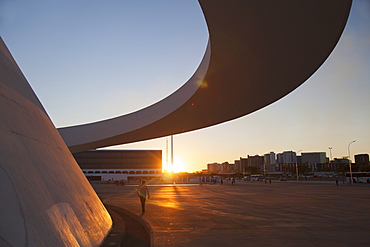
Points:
118	165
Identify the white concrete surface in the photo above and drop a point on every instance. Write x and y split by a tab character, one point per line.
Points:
45	198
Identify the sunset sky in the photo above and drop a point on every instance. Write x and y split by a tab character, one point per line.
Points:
93	60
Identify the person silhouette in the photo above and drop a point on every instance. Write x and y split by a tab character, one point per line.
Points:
143	193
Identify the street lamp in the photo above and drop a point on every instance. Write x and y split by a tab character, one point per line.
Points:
296	166
349	160
329	164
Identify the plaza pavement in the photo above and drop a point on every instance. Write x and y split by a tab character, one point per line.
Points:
249	213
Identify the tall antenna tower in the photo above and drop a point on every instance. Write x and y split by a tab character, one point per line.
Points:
166	153
172	153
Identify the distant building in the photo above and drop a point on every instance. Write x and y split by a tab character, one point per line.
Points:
287	157
228	168
316	161
225	167
120	164
214	167
238	166
344	161
269	160
338	164
362	159
252	164
244	164
255	160
286	161
314	158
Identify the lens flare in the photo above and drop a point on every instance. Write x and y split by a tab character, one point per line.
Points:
178	166
202	84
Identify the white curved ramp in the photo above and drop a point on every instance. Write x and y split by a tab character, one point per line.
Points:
258	52
45	198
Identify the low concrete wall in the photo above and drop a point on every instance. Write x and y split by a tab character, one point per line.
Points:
45	198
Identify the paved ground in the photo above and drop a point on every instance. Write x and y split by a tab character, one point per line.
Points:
251	213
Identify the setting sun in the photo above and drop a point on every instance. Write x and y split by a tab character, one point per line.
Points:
178	166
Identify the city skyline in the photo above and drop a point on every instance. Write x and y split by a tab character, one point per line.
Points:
285	152
128	55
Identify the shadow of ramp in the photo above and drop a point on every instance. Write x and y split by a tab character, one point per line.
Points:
128	230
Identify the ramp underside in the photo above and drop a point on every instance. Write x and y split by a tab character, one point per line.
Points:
258	52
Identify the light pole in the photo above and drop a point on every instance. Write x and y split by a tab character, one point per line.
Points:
349	160
296	166
329	165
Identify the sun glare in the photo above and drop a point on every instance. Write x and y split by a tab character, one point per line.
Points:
178	166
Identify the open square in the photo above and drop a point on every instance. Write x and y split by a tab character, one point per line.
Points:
251	213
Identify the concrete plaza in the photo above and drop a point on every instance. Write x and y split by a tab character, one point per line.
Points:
250	213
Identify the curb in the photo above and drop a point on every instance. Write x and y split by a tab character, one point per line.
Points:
117	235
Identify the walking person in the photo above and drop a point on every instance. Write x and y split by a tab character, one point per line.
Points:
143	193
